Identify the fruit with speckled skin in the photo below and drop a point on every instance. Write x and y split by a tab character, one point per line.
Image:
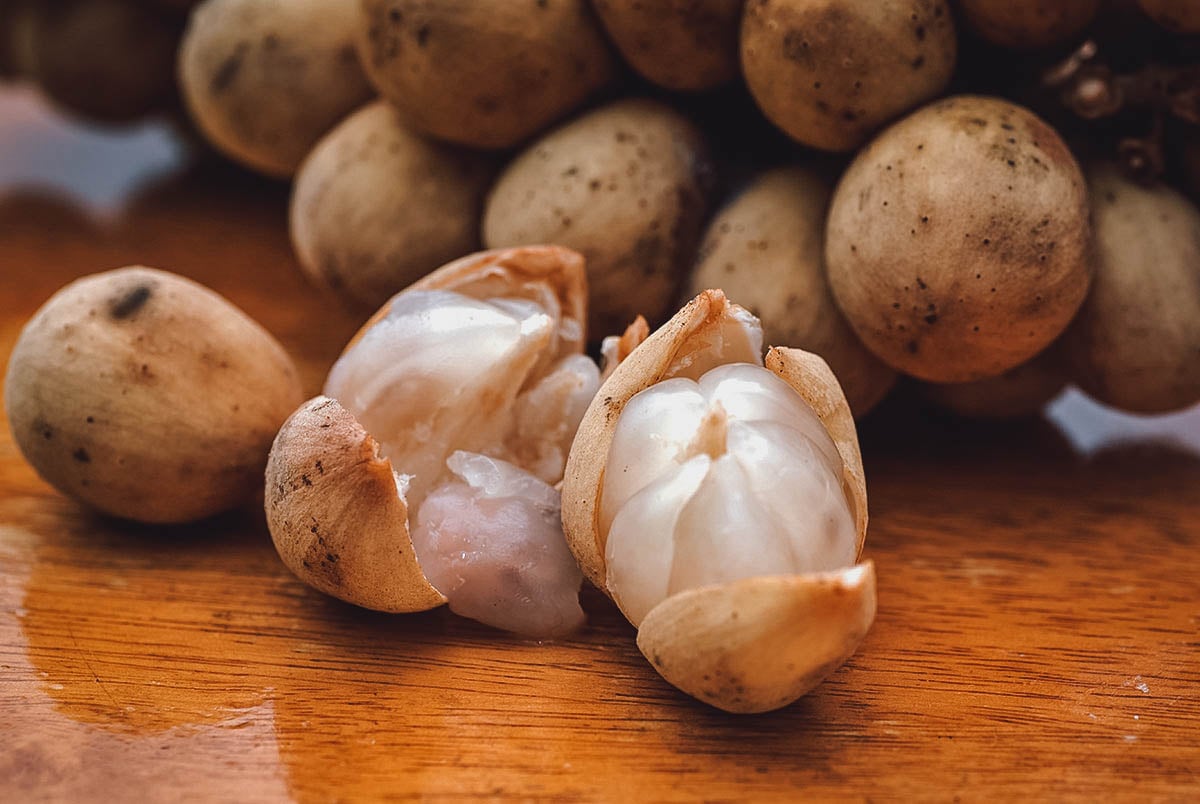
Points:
375	206
626	185
148	396
265	79
489	73
959	242
830	72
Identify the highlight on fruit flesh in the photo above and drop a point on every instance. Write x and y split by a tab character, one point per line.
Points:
475	401
719	499
717	479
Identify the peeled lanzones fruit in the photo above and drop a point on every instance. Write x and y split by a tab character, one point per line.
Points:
425	474
721	503
959	242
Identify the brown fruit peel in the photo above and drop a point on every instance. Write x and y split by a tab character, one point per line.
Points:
336	516
761	643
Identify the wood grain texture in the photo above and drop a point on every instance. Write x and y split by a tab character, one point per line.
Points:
1038	631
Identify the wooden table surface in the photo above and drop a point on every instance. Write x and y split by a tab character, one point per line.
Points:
1039	593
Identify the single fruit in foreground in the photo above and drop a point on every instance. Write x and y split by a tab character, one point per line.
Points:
148	396
721	503
426	473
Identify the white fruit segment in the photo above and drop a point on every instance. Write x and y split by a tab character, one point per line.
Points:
707	482
443	372
491	541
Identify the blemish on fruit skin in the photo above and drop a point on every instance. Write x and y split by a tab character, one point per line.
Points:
81	455
133	300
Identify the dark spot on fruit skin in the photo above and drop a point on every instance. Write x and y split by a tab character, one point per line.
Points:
422	35
931	318
130	302
306	480
81	455
91	420
912	347
224	77
918	62
921	284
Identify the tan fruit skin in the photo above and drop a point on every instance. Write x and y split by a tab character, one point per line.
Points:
1136	341
626	185
335	516
766	249
830	72
148	396
375	206
708	641
483	73
682	45
958	242
265	79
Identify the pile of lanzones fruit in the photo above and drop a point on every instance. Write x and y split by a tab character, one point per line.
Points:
989	196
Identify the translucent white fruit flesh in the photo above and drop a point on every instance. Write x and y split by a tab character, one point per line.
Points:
708	482
439	372
442	372
490	540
